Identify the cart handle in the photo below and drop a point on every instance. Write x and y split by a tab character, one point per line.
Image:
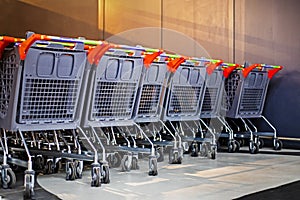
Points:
6	40
229	67
273	69
247	70
174	64
24	46
96	53
149	58
212	66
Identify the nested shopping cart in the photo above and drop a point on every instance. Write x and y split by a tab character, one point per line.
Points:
41	104
245	94
183	102
114	80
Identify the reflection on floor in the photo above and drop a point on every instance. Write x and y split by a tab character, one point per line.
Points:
229	176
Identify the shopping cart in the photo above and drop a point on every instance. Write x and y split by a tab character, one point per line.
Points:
245	93
183	102
114	80
41	81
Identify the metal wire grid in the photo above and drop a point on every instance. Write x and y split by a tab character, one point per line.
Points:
48	100
113	100
210	99
251	100
230	86
184	100
8	65
149	100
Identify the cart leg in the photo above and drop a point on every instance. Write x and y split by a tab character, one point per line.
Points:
70	170
135	161
152	166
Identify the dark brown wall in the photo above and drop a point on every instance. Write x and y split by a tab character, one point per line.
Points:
55	17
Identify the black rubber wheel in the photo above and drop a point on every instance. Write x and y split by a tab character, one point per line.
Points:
213	153
39	163
261	143
58	166
96	177
194	149
49	167
125	164
105	175
278	145
253	148
114	160
152	167
237	146
28	191
71	173
231	146
10	180
134	165
173	156
160	154
204	150
78	169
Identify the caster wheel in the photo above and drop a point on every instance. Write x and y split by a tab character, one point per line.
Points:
134	165
8	178
160	154
50	167
39	163
70	171
278	144
204	150
114	160
231	146
194	149
153	166
237	146
78	169
105	175
173	156
29	184
96	175
253	148
261	143
126	163
58	166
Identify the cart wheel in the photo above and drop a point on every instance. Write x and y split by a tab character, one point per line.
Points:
8	179
278	144
231	146
28	192
204	150
160	154
70	171
39	163
253	148
261	143
58	166
213	153
152	166
194	149
134	165
114	160
96	176
78	169
125	164
49	167
237	146
173	156
105	175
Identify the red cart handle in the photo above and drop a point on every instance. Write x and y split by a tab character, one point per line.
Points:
96	53
175	63
212	66
229	69
6	40
149	58
247	70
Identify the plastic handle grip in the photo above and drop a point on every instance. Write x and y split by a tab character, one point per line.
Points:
247	70
212	66
227	71
273	71
174	64
6	40
148	59
96	54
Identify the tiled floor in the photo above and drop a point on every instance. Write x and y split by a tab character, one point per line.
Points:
229	176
